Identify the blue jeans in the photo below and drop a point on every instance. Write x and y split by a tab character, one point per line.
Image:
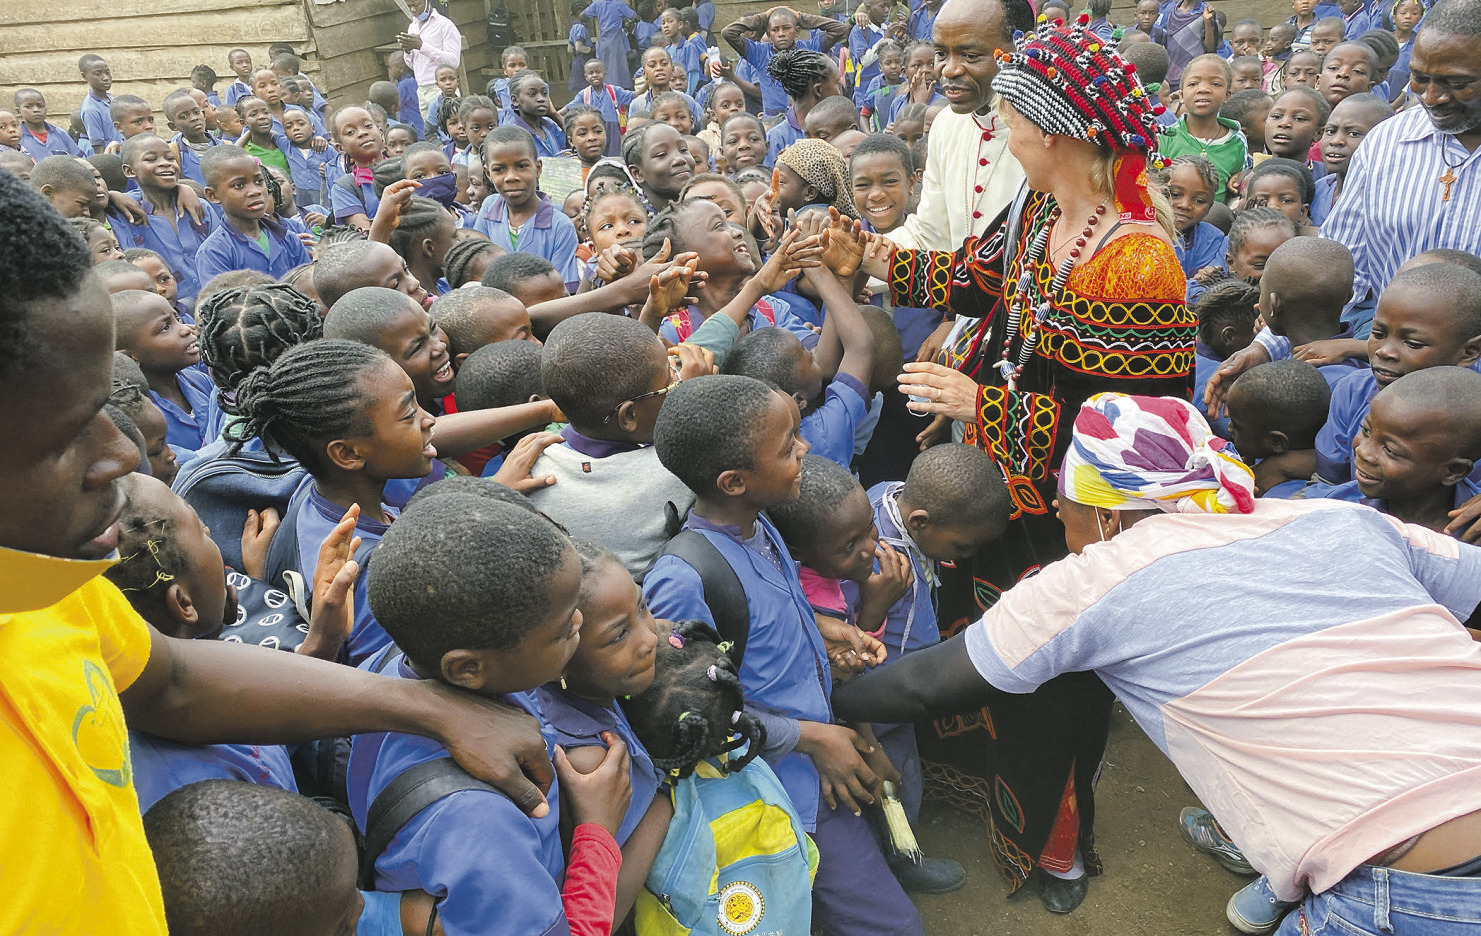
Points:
1374	901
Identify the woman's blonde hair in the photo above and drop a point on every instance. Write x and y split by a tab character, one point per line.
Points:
1103	177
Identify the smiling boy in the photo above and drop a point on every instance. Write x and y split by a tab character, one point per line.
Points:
167	228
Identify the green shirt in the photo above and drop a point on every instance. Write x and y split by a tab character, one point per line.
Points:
268	156
1229	154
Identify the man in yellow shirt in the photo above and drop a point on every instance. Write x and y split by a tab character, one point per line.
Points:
79	664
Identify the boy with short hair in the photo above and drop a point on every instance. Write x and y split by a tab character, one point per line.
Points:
1306	284
519	217
513	60
529	278
131	116
735	443
351	265
758	37
1245	38
203	79
241	65
830	117
1275	411
1248	75
1347	125
67	183
407	111
480	315
447	89
1249	108
1226	324
261	140
184	115
1201	131
1428	316
94	111
1349	68
38	138
1328	31
167	228
250	238
148	329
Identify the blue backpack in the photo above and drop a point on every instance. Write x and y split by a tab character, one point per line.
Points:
222	488
735	860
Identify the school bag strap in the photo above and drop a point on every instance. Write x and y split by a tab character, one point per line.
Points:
723	593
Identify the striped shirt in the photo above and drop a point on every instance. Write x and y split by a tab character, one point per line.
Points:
1321	721
1393	207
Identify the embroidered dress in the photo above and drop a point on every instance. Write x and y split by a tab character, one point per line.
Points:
1120	323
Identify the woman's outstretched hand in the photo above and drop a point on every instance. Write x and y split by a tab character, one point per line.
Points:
939	391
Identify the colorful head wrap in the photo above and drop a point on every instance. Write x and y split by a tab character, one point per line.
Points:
1068	82
1152	453
819	164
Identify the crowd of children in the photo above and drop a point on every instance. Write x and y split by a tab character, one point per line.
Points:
594	452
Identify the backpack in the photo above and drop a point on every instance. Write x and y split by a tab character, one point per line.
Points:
724	594
222	488
501	33
735	860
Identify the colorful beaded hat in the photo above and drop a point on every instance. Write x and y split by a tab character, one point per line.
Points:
1067	81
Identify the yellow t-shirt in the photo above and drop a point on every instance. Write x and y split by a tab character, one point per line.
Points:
75	853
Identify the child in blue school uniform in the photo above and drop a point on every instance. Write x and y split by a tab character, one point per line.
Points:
40	139
481	593
447	90
759	37
1191	187
352	197
96	109
866	39
531	113
1275	411
512	60
1226	313
808	77
183	114
518	216
347	413
168	229
1428	316
240	62
1306	285
314	171
149	330
684	46
882	89
579	46
613	103
735	443
203	78
248	238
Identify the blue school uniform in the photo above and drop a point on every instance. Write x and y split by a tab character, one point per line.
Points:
687	54
902	101
922	21
877	99
189	159
1350	400
317	517
1464	491
830	429
1204	366
578	35
760	54
58	143
550	139
499	90
179	244
768	310
304	166
704	11
430	120
549	234
492	869
644	32
407	110
613	102
1302	42
161	766
228	249
214	98
611	18
580	723
785	670
860	40
1360	21
236	90
1203	246
97	121
644	102
1321	202
911	623
186	432
787	131
350	198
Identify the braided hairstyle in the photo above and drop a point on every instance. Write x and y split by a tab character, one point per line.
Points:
420	219
249	327
576	111
149	553
460	257
798	71
694	709
1208	173
1224	303
665	226
310	395
448	108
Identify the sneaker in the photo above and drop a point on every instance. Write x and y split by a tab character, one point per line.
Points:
1203	833
930	875
1255	909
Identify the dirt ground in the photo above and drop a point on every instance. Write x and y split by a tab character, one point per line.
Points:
1154	884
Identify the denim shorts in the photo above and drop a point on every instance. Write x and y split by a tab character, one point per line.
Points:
1376	901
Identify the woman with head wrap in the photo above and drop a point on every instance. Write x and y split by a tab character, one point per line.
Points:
1074	290
1324	704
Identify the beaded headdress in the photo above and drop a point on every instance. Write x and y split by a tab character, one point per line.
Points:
1068	81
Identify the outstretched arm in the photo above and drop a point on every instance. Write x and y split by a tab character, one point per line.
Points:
935	681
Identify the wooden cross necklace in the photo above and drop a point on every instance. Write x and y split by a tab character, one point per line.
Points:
1448	178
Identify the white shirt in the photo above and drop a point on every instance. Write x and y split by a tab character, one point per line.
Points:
970	178
442	44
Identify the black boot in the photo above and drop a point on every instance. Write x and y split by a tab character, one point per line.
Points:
1061	896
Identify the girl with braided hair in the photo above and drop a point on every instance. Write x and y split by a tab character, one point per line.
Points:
659	162
615	659
423	236
807	77
466	260
348	414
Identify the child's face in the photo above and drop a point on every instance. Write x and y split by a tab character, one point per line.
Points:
72	203
508	320
658	68
1345	71
1412	331
721	245
1205	88
1248	76
1291	127
776	477
187	118
163	462
665	163
743	145
456	131
160	277
103	245
385	267
1248	262
675	114
515	64
202	574
792	192
945	541
1344	131
727	101
1407	16
266	85
1324	36
546	287
1244	41
668	24
1303	70
240	189
845	544
1405	450
619	638
258	118
781	30
589	138
154	335
98	77
10	129
358	135
33	108
481	121
285	188
514	172
533	99
397	140
241	64
1190	196
615	219
1278	40
478	188
546	651
419	349
732	207
595	73
919	62
207	108
229	122
891	64
297	129
908	130
447	81
426	164
399	443
881	189
136	120
1303	8
1281	192
1253	124
1146	15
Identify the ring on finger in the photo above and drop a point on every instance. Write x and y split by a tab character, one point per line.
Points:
938	394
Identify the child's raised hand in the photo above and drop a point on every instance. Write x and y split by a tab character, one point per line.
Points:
319	145
667	290
615	262
763	209
332	614
891	582
257	535
794	254
843	244
836	752
692	360
395	198
602	796
515	472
